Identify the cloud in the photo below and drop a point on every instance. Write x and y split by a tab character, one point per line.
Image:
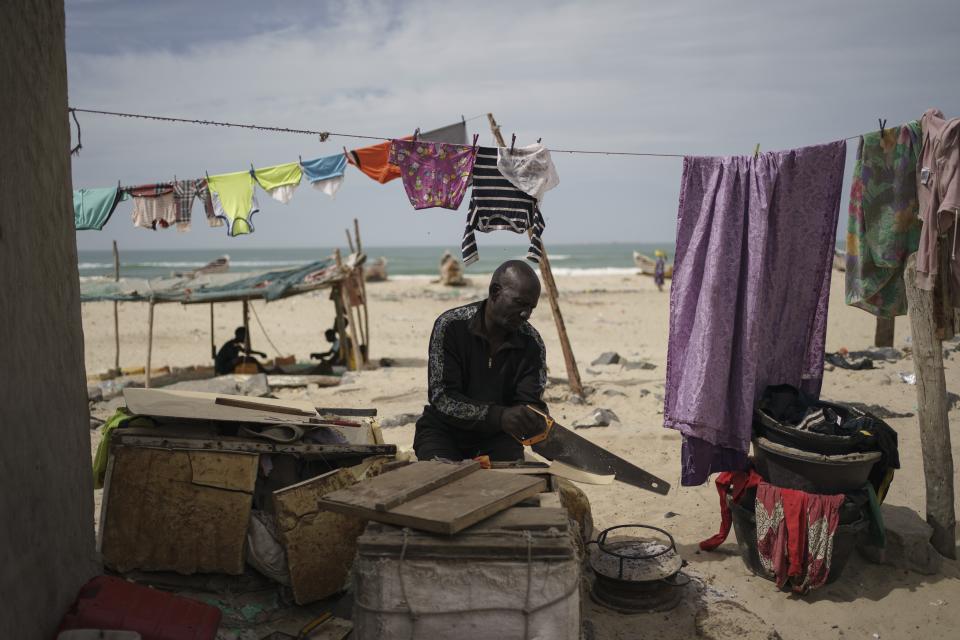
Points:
699	78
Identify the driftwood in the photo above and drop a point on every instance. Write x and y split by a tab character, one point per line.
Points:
932	414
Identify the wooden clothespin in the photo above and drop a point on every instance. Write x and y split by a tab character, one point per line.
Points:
538	140
513	141
416	134
253	171
756	151
300	158
883	126
476	137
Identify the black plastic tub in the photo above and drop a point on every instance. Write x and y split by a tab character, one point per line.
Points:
844	541
768	427
792	468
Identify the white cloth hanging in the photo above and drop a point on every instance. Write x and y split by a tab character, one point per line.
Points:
529	169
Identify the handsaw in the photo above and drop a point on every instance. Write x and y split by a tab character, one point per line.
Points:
556	442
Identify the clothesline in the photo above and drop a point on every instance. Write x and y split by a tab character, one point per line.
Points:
326	134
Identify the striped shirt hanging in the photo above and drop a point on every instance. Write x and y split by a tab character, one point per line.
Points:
496	204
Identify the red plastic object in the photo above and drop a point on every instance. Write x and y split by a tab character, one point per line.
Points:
106	602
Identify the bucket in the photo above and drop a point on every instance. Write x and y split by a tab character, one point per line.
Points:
791	468
745	528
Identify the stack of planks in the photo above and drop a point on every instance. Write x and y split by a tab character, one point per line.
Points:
437	497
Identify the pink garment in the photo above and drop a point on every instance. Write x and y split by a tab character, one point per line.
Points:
795	533
435	174
938	191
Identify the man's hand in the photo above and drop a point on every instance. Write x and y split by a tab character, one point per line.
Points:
521	423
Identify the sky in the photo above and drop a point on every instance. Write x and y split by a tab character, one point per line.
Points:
696	77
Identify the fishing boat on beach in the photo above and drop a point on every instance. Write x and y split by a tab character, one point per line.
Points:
648	265
220	265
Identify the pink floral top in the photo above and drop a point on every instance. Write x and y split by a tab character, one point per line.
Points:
435	174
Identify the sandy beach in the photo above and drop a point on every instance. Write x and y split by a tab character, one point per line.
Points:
626	314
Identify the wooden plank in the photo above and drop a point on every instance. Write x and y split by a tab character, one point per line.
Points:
479	541
344	411
104	501
452	507
183	511
320	544
240	403
524	519
396	487
199	405
932	413
289	380
233	444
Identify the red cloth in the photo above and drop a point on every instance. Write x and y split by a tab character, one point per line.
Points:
735	483
795	532
107	602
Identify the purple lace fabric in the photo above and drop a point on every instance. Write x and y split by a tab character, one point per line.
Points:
751	286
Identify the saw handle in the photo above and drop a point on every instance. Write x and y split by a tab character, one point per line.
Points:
543	435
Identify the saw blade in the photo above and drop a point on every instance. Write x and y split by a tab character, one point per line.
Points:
565	446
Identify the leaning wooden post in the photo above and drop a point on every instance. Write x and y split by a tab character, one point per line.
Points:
345	302
363	292
116	312
246	328
553	295
932	414
883	337
213	342
146	382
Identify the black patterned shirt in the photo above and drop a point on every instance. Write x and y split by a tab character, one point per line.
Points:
468	386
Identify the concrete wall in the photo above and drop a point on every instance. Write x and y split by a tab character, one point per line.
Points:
46	487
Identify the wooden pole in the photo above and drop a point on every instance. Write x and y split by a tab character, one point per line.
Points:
246	327
338	322
363	292
345	303
146	382
553	295
349	240
932	414
213	342
116	312
883	337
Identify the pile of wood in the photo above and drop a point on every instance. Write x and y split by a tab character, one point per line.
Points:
184	486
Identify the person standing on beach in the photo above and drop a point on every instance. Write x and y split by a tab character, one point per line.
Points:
486	362
659	269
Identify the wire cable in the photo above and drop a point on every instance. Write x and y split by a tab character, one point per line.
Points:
326	134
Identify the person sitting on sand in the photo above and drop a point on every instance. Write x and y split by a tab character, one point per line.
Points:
485	363
229	355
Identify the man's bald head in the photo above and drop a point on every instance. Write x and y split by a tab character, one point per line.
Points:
514	293
516	273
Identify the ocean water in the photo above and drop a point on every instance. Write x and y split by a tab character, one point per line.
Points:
401	261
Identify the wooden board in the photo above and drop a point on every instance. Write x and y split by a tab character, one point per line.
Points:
450	508
247	445
500	537
282	380
344	411
402	485
320	544
183	511
198	405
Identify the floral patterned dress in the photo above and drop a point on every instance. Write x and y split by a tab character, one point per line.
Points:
883	227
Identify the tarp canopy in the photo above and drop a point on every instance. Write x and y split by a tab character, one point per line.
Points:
221	287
